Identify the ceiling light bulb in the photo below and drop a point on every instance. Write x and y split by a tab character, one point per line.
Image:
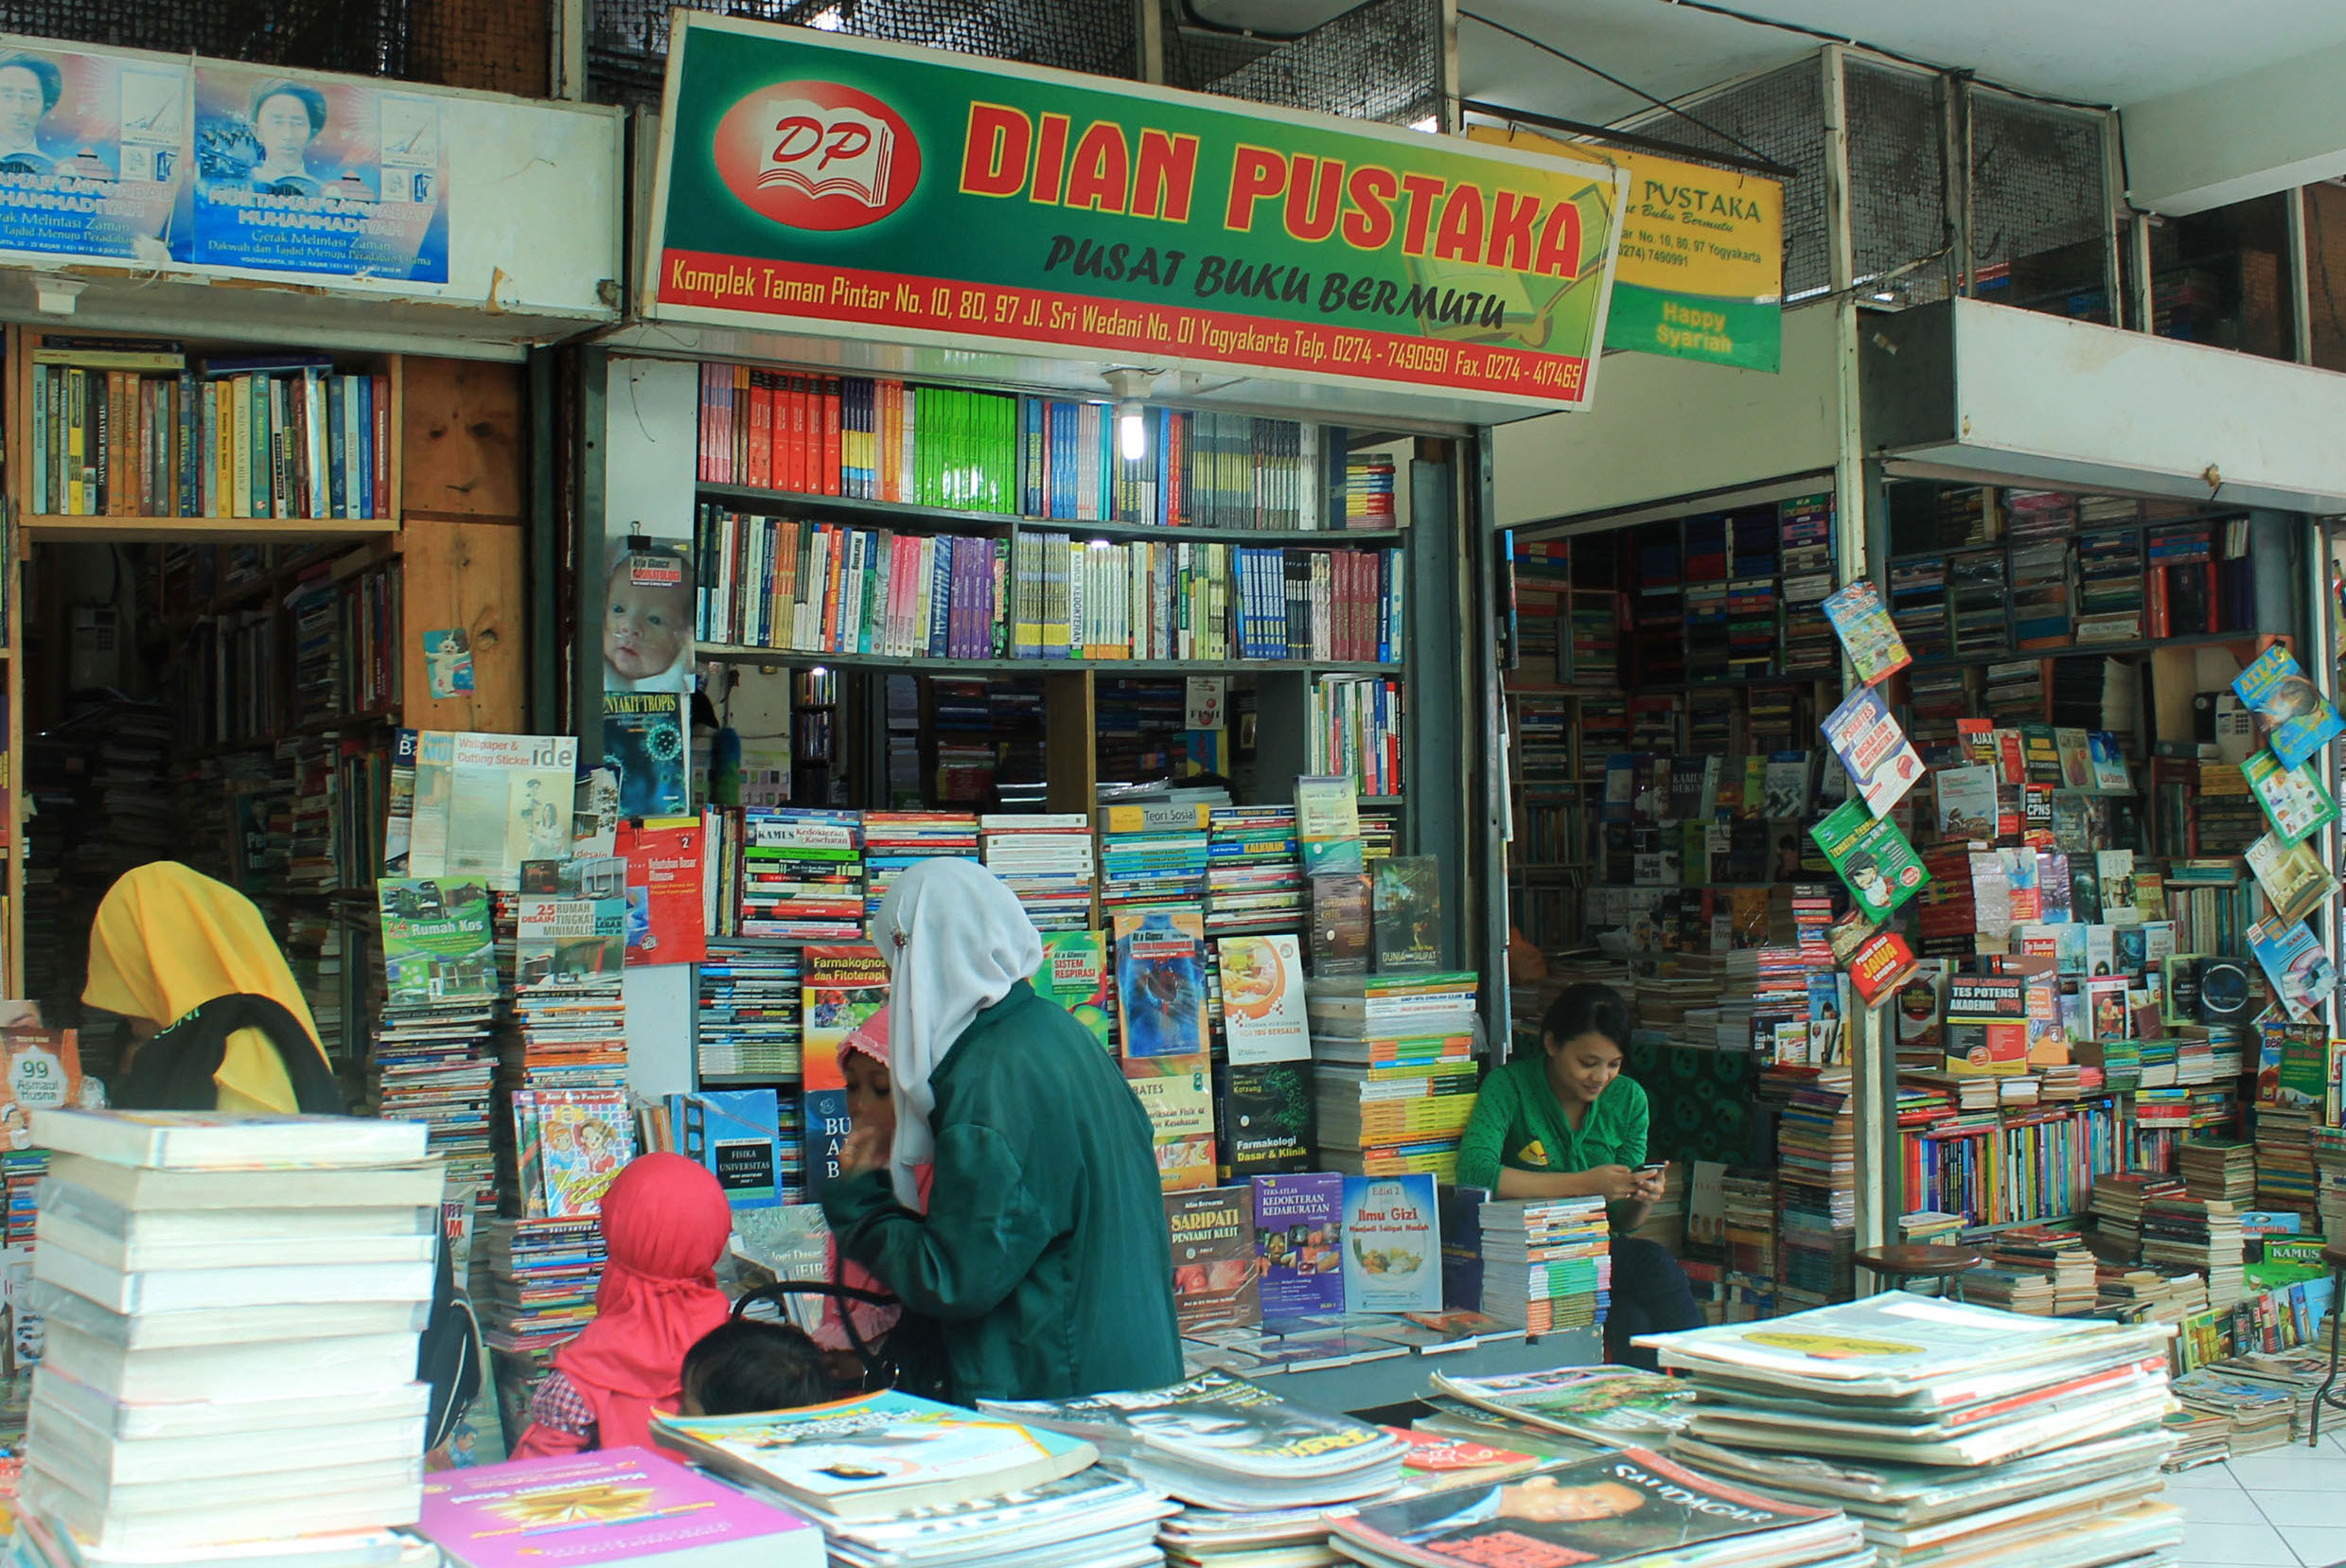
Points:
1131	431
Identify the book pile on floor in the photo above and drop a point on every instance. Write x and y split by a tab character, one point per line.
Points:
183	1406
2256	1415
1630	1506
748	1011
2051	1267
431	1061
1394	1064
533	1284
2284	1156
2222	1170
2116	1207
1254	882
896	841
1816	1191
1955	1433
898	1480
1548	1262
570	941
1046	859
2196	1234
2137	1293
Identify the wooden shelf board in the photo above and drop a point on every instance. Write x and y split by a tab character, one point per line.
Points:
58	530
954	518
734	653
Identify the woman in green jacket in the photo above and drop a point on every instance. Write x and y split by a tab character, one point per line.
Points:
1566	1125
1043	1254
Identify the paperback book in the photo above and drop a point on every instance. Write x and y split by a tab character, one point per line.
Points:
438	943
1299	1238
1262	1011
840	988
1405	913
1873	858
1216	1272
1327	825
1075	975
1867	634
1882	763
1177	1094
621	1504
2293	799
1266	1118
1160	981
2298	719
1392	1245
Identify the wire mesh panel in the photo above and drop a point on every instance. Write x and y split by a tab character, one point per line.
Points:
628	40
2040	227
1780	115
499	45
1380	62
1900	236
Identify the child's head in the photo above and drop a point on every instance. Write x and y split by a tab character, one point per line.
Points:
648	615
863	1062
749	1365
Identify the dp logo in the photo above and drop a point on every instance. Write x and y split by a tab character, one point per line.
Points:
818	155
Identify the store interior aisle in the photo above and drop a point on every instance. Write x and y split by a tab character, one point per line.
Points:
2284	1507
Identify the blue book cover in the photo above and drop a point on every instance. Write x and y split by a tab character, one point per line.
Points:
736	1134
1299	1238
362	387
337	456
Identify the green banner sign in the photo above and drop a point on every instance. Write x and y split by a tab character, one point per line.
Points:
874	190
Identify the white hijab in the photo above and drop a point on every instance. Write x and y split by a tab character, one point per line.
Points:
955	941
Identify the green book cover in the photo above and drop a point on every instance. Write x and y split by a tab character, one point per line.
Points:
1873	858
438	943
1075	975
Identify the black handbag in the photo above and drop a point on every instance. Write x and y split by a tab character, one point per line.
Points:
909	1359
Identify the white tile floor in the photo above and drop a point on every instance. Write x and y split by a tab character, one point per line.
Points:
2285	1507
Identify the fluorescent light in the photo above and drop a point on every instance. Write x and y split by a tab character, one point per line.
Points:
1131	431
1429	123
826	20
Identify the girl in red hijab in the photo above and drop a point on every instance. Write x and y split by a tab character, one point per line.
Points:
665	1221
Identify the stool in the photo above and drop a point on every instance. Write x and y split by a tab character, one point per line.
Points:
1899	1264
2333	1259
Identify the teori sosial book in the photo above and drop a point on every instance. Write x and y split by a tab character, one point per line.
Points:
1299	1238
1392	1245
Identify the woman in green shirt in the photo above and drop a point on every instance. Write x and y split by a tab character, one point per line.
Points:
1566	1125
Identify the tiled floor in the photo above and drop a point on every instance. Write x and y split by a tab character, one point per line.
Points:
2285	1507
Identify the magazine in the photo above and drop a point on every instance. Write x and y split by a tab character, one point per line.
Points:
1216	1272
645	741
1300	1237
1873	858
1214	1422
1392	1245
1605	1404
2294	879
2294	801
1160	981
874	1455
621	1505
2298	719
1867	634
1617	1508
2295	961
437	942
482	804
1262	1013
569	1145
573	931
1075	975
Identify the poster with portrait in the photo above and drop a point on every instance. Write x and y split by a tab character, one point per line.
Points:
315	174
93	148
647	616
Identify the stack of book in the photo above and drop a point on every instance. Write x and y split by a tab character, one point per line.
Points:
1394	1064
2052	1266
1964	1434
1046	859
802	874
2284	1156
2116	1207
533	1282
1154	853
1548	1262
896	841
1816	1191
1369	490
1217	1441
2256	1415
1254	882
928	1484
2140	1293
1648	1503
2199	1235
2329	1153
183	1406
748	1011
431	1061
2219	1168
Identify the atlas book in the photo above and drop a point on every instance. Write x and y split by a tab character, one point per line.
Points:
1300	1239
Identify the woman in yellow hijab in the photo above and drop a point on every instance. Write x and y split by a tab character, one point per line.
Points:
219	1021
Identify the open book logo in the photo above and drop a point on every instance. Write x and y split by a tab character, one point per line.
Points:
818	155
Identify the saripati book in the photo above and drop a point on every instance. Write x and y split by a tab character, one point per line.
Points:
1216	1272
875	1456
621	1504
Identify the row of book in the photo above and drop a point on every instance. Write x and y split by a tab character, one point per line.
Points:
132	430
887	440
770	582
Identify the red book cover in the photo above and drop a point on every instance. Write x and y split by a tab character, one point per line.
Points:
2156	612
1177	480
665	918
1882	963
830	438
796	479
761	431
382	446
740	425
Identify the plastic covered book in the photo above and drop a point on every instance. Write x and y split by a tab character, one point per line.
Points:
1262	1011
622	1504
1075	975
1605	1404
437	946
2294	800
1867	634
1621	1507
2297	718
878	1455
1213	1420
